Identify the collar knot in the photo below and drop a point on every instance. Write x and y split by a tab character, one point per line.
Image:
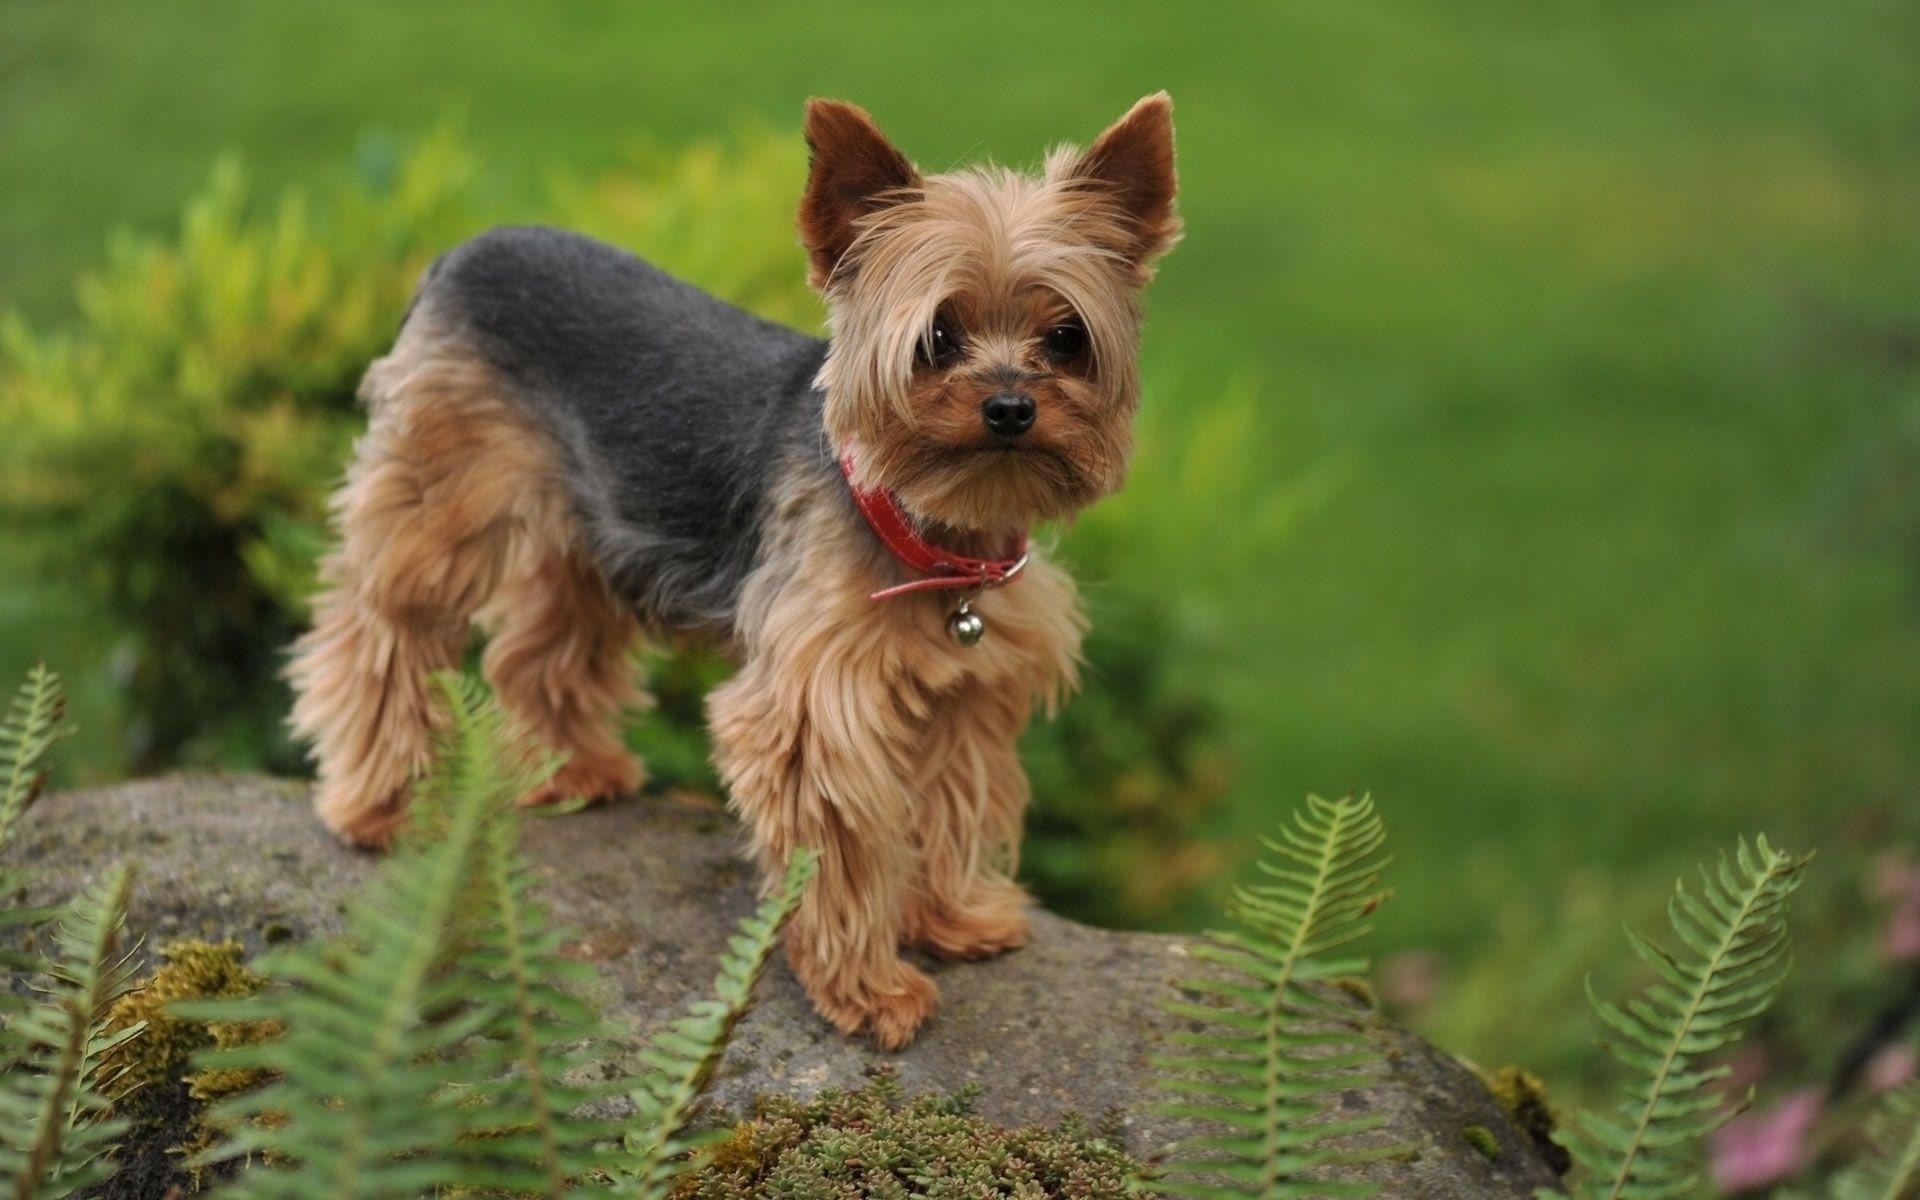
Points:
940	569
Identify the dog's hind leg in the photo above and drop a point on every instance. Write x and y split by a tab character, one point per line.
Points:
558	660
442	481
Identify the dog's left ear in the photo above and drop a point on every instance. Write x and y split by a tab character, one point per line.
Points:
1133	159
854	171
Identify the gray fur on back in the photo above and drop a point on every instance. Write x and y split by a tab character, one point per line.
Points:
676	412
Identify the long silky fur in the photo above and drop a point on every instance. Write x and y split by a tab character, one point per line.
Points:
574	450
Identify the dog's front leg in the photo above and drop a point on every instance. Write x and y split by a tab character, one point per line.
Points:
815	745
973	795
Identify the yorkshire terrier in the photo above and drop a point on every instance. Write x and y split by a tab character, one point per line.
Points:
569	447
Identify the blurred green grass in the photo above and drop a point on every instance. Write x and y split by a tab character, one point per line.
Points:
1604	319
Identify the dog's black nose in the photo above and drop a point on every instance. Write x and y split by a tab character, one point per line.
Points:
1008	414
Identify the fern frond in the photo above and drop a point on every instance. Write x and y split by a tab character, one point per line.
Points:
31	727
1275	1051
1733	957
1892	1169
53	1102
428	1049
682	1057
538	1141
34	722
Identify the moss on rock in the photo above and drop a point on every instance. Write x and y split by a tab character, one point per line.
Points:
1523	1098
163	1100
873	1142
194	970
1481	1139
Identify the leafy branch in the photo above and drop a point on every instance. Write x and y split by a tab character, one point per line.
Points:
55	1072
1275	1049
1733	933
440	1044
33	724
53	1105
1891	1171
682	1057
392	1078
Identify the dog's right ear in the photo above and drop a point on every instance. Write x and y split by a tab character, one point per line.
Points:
854	171
1133	160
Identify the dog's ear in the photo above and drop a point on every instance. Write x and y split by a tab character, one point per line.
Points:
854	171
1133	160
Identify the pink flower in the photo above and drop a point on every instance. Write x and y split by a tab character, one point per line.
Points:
1892	876
1761	1148
1892	1066
1900	941
1896	879
1411	980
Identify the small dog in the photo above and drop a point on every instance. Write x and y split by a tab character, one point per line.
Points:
569	447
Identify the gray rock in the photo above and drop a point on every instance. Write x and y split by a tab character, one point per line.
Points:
1064	1025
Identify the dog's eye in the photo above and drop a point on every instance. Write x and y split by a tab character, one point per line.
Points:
1066	340
940	346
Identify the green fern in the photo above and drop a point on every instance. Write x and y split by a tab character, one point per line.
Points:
545	1035
438	1046
1734	937
32	726
521	1072
52	1051
1276	1049
430	1048
52	1098
682	1057
30	729
1892	1171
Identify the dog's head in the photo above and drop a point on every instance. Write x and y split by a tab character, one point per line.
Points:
985	322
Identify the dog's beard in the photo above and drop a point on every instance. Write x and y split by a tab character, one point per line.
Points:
991	489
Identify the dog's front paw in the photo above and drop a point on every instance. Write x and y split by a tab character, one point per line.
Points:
892	1015
588	779
893	1018
991	920
370	822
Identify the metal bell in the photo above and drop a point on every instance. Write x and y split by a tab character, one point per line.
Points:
966	626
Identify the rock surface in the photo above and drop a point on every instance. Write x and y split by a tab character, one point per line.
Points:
1064	1025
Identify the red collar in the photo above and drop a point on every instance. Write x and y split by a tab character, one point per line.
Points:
939	568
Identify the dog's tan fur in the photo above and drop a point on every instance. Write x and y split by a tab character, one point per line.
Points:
1006	254
452	508
852	727
855	729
